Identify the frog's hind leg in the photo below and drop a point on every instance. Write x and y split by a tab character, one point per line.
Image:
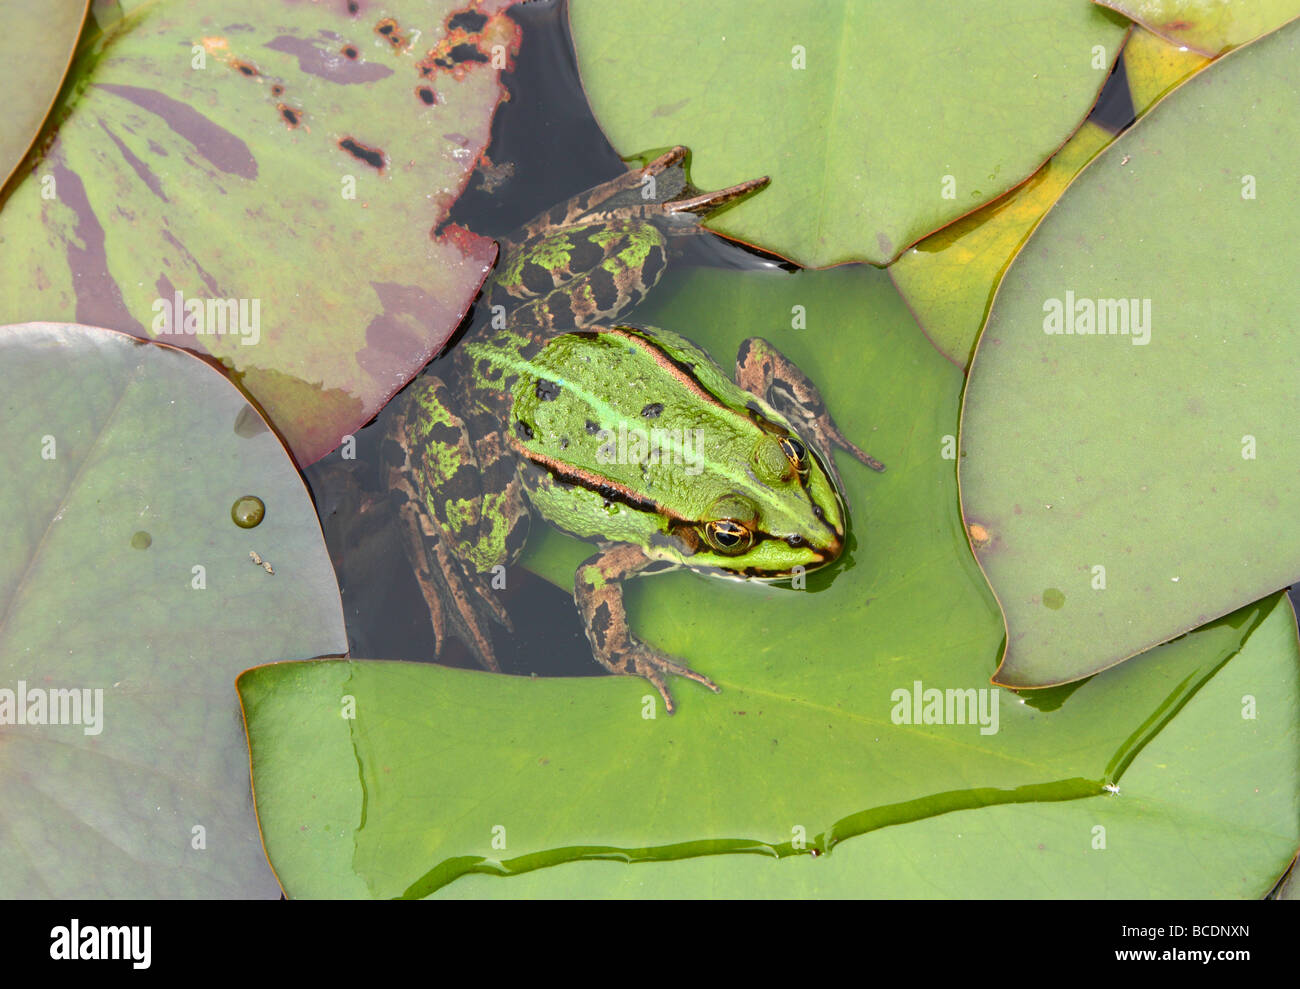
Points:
445	500
764	371
583	275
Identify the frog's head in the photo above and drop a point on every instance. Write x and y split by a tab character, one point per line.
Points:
778	510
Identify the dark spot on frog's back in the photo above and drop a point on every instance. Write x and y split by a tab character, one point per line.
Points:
371	156
592	428
427	96
467	20
653	411
246	68
523	430
350	51
290	116
547	391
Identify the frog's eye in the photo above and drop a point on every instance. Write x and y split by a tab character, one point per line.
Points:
728	536
797	452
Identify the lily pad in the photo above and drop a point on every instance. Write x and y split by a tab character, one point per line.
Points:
1138	482
810	93
440	782
1203	810
125	584
1153	66
950	277
1207	27
284	166
433	774
36	45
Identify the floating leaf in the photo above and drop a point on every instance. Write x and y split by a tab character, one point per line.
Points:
803	748
285	167
878	123
125	584
1138	483
1153	67
720	801
1208	27
36	44
949	278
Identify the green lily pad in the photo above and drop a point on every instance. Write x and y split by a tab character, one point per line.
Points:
1208	27
286	166
439	782
36	45
1203	810
124	579
429	767
950	277
1137	484
810	93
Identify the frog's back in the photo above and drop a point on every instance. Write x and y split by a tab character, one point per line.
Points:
635	416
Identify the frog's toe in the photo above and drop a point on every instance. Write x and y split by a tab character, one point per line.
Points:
656	667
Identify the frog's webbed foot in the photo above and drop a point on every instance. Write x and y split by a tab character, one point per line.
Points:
659	188
598	591
764	371
450	542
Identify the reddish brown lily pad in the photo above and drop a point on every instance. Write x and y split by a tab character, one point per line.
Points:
268	183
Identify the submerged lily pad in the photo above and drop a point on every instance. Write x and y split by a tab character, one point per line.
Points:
1208	27
131	600
397	779
285	167
1126	435
878	122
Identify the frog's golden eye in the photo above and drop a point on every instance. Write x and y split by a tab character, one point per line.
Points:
797	452
728	536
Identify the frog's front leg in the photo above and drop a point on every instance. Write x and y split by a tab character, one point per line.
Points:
598	591
764	371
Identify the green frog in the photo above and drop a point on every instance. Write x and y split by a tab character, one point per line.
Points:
626	435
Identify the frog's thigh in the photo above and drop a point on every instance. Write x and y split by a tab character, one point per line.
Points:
445	483
503	509
612	267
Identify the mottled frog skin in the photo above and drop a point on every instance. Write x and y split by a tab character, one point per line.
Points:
629	436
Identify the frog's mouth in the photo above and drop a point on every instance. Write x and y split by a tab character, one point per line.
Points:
698	556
